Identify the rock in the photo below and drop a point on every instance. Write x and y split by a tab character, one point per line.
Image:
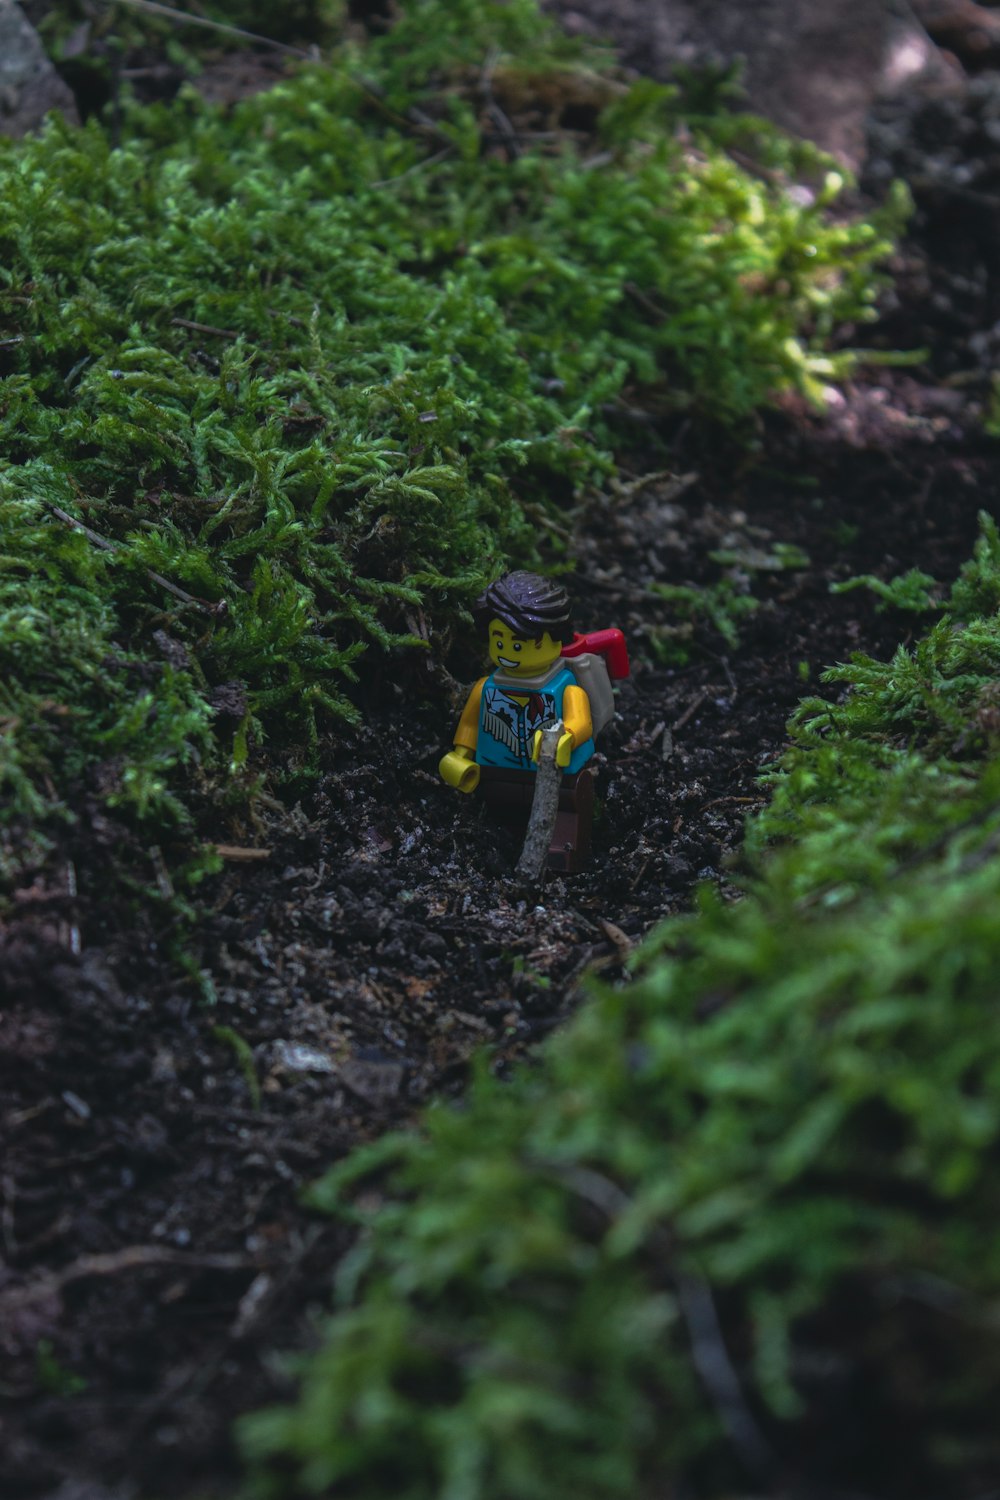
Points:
298	1057
373	1078
29	84
969	31
812	68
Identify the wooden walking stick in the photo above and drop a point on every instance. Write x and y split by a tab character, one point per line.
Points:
544	807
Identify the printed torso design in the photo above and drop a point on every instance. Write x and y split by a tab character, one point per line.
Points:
510	714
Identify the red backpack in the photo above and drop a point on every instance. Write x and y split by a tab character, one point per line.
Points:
598	660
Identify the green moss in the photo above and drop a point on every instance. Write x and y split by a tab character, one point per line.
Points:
305	365
126	29
79	712
721	604
793	1111
910	591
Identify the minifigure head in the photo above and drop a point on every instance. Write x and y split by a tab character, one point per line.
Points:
527	618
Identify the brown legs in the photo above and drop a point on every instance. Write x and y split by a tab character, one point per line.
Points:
511	792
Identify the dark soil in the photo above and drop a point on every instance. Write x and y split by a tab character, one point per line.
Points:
156	1252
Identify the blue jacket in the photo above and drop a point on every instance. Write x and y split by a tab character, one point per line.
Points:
510	715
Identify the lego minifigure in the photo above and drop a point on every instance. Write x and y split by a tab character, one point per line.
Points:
542	672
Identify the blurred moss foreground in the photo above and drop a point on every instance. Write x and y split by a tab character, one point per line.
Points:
308	365
736	1232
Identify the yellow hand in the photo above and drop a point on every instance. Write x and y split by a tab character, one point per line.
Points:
564	749
459	769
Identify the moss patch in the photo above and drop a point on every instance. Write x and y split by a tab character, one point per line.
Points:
327	359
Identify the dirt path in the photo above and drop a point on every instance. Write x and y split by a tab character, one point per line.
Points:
157	1250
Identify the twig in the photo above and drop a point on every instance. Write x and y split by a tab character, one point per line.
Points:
690	711
708	1348
414	117
163	882
711	1360
599	159
195	1377
25	1116
219	333
75	944
646	303
418	166
544	807
734	686
93	536
507	132
132	1258
596	1189
106	546
749	164
185	18
675	485
237	854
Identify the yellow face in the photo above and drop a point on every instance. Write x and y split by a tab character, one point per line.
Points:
519	656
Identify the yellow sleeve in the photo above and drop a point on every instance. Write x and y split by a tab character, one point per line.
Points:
576	715
467	732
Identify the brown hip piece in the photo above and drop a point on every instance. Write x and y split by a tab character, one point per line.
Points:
512	792
509	788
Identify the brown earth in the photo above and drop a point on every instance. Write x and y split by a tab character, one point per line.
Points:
156	1252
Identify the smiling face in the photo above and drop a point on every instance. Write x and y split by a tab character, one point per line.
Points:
518	655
